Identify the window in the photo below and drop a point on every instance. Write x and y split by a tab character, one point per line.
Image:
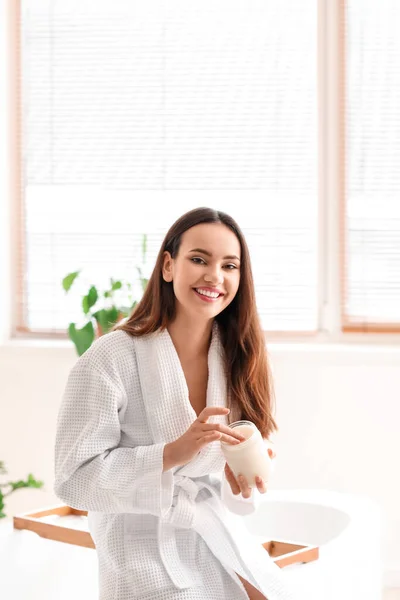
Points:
134	112
372	234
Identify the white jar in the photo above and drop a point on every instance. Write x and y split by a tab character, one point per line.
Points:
249	458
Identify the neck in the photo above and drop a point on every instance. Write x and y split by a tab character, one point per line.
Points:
190	339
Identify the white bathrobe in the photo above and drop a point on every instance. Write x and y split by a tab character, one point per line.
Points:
159	535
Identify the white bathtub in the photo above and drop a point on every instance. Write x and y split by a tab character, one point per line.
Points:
347	530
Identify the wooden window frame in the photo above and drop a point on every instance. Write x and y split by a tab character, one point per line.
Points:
333	323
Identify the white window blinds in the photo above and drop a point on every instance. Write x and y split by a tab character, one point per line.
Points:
137	111
372	283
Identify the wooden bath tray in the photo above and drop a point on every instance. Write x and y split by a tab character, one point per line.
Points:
47	524
74	530
289	553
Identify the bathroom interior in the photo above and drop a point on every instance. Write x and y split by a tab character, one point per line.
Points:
115	118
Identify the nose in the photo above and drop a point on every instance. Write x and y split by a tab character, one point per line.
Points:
214	276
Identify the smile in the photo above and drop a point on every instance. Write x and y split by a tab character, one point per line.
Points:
206	295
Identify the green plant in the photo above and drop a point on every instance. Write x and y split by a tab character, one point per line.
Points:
101	309
15	485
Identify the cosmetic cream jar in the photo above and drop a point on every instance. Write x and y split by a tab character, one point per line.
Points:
249	458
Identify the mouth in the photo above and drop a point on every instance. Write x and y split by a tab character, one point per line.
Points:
207	295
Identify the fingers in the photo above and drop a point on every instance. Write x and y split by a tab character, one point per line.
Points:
244	486
240	485
260	483
246	489
209	411
228	435
231	479
207	439
214	435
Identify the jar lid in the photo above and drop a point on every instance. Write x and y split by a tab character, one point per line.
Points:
239	423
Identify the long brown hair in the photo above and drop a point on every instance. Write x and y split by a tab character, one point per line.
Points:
247	367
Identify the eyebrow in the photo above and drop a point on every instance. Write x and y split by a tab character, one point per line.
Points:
230	257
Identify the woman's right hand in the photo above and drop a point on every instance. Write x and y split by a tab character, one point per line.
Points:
199	434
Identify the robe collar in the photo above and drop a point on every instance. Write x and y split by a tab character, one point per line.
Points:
166	395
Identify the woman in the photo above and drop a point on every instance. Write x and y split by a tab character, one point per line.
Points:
142	417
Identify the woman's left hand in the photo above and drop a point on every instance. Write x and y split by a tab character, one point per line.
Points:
241	485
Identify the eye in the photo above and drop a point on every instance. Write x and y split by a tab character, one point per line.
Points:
198	260
231	266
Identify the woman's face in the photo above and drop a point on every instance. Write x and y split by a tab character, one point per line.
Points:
206	272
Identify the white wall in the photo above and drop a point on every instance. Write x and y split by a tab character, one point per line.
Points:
337	407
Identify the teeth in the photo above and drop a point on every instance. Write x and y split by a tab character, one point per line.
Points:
207	293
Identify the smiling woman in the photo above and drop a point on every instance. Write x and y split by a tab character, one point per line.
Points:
172	300
141	424
212	273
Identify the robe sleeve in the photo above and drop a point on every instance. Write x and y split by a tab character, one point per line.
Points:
91	472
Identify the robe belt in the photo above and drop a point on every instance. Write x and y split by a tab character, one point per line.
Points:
183	516
180	516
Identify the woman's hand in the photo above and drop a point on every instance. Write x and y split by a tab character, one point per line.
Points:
199	434
241	485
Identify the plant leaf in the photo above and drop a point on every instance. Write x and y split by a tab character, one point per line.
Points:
15	485
106	318
30	482
2	514
89	300
82	338
101	318
34	483
117	285
69	280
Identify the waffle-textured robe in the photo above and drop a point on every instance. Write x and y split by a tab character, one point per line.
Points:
173	535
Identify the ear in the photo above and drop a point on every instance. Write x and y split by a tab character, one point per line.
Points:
167	267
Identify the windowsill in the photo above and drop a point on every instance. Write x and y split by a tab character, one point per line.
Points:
363	345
